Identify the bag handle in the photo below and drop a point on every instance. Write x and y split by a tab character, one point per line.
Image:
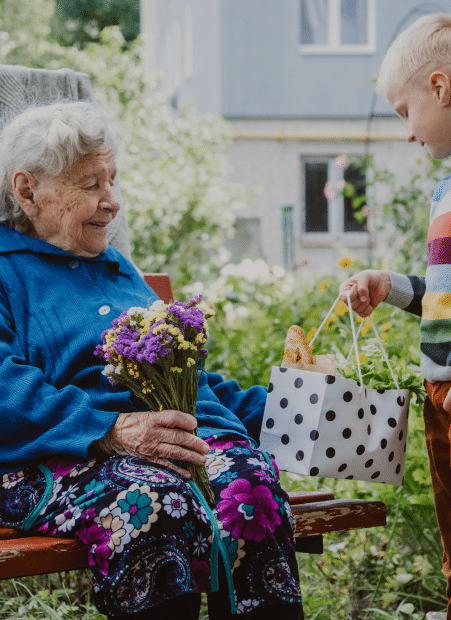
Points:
354	338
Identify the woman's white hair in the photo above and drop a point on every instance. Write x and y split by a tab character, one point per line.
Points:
47	140
423	47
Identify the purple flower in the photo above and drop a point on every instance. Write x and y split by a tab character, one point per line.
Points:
97	540
248	512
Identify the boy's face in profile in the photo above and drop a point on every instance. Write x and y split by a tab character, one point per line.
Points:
426	112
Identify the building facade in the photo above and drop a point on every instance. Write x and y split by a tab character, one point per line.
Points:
295	80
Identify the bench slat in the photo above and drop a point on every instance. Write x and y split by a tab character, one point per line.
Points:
36	555
337	515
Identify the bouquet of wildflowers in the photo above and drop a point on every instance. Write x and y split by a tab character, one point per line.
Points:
155	352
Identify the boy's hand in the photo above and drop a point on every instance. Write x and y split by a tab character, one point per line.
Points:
367	289
447	402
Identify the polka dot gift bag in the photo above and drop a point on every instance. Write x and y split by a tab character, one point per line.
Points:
322	425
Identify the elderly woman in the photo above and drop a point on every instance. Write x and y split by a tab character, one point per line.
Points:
81	458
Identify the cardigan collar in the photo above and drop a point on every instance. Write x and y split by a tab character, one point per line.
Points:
12	241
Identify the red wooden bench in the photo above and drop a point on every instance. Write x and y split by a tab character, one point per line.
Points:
316	514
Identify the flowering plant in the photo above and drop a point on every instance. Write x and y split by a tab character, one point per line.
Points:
155	352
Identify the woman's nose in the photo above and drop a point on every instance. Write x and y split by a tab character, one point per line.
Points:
109	201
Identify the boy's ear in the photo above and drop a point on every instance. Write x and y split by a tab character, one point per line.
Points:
25	187
441	84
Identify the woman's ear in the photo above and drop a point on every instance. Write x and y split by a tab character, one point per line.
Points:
441	85
24	187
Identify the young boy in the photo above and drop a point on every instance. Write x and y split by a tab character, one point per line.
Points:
415	77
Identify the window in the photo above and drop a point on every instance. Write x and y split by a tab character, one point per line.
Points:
328	211
338	26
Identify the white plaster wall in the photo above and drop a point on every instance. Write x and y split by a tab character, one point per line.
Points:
273	166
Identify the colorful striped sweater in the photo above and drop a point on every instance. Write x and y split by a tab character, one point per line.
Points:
430	296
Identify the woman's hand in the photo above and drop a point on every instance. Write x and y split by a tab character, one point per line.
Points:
156	436
367	289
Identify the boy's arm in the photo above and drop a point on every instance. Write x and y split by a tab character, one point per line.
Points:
406	292
369	287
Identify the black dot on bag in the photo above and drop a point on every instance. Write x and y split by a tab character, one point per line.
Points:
347	397
398	469
285	440
314	399
283	369
270	388
330	379
342	467
401	435
314	435
373	410
360	449
299	455
330	453
298	382
349	477
298	418
347	433
284	403
400	400
392	422
375	475
391	456
330	416
383	443
380	391
368	430
314	471
270	423
360	413
369	463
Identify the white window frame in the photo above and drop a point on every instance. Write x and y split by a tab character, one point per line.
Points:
335	211
334	33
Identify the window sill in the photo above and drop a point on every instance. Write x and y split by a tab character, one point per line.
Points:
350	240
343	50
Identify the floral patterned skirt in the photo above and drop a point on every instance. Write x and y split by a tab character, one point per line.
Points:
150	536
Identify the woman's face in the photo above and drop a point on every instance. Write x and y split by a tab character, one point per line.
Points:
73	209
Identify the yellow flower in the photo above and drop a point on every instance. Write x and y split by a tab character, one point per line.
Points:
346	261
190	362
324	284
311	333
383	336
386	326
329	321
366	326
176	369
341	308
363	358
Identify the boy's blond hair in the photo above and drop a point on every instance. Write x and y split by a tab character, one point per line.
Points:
423	47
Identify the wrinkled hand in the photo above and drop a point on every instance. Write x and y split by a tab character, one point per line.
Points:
157	437
367	289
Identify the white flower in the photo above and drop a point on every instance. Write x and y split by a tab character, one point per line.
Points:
200	545
199	511
135	310
68	495
248	604
175	505
254	461
157	305
108	370
66	521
